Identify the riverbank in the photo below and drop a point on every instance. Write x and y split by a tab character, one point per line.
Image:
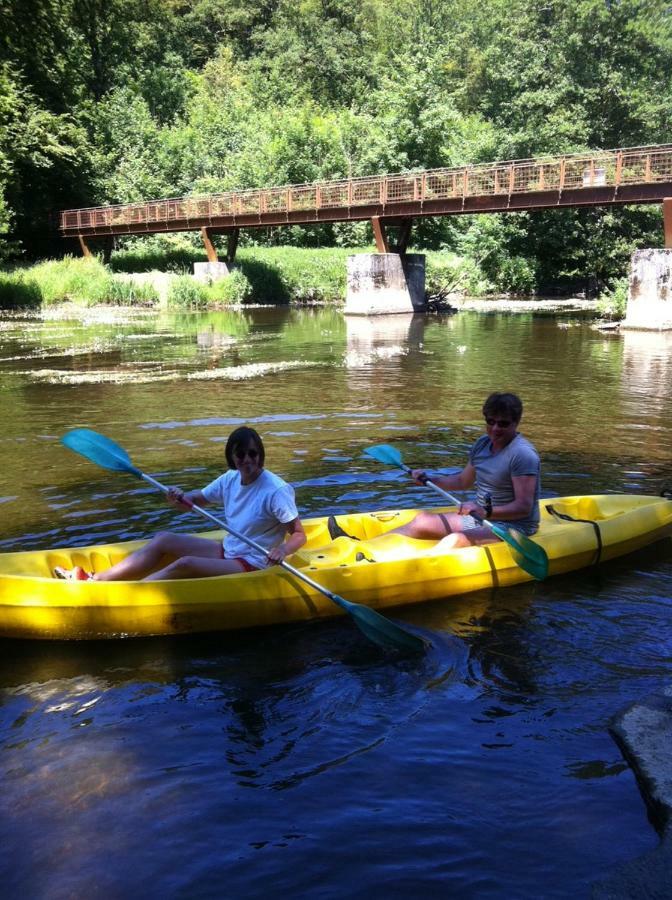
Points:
524	304
277	276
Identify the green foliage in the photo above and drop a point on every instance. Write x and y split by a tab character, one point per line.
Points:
158	252
106	101
19	292
123	292
613	301
85	281
186	293
289	274
234	288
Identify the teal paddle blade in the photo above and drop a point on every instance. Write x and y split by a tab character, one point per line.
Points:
529	556
384	632
385	453
100	450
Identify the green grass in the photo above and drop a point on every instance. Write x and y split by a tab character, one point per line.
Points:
185	293
83	281
17	291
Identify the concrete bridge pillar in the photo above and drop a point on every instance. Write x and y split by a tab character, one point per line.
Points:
650	291
382	283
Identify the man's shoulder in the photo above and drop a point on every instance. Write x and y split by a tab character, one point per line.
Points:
521	445
481	441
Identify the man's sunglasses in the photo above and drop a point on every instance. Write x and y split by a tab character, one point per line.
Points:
251	452
501	423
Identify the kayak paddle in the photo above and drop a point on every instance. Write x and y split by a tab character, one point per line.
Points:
104	452
528	555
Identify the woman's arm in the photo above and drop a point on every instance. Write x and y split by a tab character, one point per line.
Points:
176	497
296	539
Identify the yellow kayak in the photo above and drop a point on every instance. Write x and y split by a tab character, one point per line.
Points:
372	567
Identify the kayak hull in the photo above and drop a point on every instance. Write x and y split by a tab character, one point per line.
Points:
380	570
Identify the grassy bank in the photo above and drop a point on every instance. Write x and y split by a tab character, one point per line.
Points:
269	275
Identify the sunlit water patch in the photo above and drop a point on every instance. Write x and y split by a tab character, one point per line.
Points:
230	373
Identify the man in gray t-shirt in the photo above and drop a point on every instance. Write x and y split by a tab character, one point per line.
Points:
496	475
504	467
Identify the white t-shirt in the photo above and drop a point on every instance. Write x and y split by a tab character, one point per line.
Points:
259	511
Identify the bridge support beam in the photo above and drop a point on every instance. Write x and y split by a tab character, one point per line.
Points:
650	291
108	246
667	220
232	245
383	283
210	248
383	243
232	234
380	235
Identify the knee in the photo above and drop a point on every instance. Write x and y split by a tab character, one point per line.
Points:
423	520
428	524
453	541
163	541
183	567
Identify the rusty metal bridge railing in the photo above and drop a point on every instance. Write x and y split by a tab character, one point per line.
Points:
630	175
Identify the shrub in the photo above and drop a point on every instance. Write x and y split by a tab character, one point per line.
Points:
613	302
292	274
124	292
83	280
232	289
186	293
164	252
517	275
19	292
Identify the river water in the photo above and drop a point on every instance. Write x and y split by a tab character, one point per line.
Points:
298	760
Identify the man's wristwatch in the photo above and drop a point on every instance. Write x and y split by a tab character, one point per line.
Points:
487	506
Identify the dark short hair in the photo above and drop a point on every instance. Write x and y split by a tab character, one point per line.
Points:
503	405
240	439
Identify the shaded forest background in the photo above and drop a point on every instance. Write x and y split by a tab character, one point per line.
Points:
107	101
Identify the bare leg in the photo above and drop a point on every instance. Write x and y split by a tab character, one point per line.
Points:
430	526
475	536
446	528
196	567
149	557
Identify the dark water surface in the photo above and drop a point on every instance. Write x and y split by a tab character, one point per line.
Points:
298	761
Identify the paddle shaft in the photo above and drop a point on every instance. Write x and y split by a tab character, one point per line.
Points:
341	601
433	484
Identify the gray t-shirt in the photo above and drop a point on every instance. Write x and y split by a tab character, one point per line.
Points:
495	470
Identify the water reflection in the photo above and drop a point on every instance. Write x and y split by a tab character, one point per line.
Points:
647	363
372	338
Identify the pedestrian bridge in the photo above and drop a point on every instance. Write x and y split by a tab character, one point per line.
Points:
623	176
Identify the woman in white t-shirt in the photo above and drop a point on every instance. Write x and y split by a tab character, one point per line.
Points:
256	503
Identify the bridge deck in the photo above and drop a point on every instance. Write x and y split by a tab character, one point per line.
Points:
631	175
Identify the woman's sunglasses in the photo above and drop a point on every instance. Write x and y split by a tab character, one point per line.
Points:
241	454
501	423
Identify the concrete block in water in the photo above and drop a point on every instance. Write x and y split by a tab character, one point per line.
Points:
650	291
382	283
207	272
